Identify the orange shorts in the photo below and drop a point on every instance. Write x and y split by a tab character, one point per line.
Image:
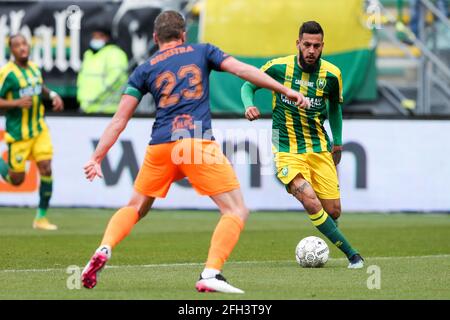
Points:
201	161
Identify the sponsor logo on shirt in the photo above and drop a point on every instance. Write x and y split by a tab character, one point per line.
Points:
183	121
313	102
304	83
31	91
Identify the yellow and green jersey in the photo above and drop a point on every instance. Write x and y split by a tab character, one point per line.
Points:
17	82
298	130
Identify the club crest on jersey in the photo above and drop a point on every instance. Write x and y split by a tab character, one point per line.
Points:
284	171
19	158
321	83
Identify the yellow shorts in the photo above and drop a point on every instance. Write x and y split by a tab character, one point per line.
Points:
39	148
317	168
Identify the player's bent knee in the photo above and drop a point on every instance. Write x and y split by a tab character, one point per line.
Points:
243	213
312	205
45	168
333	210
141	209
335	213
240	211
141	203
17	182
231	203
47	172
17	179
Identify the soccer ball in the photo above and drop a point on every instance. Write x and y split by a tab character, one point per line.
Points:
312	252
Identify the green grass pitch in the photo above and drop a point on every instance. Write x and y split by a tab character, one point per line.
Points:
164	255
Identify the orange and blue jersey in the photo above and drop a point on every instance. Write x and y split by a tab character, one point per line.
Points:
178	79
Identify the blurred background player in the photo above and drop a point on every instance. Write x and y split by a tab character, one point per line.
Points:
28	138
304	157
178	78
103	74
418	13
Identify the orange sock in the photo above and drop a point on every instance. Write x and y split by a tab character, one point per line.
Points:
120	226
224	238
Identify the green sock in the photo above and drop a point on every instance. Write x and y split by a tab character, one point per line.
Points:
41	213
327	226
336	222
4	169
45	193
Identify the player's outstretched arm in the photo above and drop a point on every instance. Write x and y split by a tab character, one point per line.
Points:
262	80
127	106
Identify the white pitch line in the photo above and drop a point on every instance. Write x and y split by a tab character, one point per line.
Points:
196	264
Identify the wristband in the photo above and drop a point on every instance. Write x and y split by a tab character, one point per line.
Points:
52	95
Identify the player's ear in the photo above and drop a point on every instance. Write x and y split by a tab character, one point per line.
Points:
183	36
297	44
155	38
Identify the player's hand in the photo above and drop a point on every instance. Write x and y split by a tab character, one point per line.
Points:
24	102
58	104
298	98
92	169
252	113
336	153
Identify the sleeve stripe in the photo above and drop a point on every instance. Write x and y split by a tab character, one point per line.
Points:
4	74
277	61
